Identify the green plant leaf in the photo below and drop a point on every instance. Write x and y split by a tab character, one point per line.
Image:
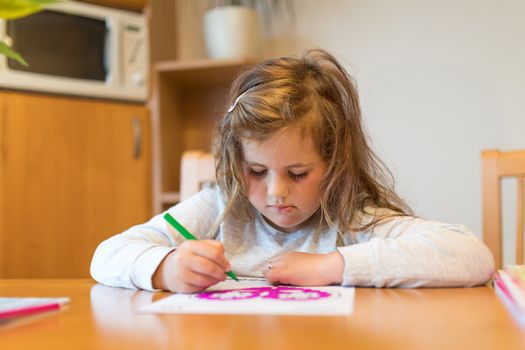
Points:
6	50
12	9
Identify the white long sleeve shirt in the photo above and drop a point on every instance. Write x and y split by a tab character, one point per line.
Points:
397	252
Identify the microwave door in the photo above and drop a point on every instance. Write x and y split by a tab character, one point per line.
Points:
61	44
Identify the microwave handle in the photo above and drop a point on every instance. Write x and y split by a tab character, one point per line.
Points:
137	137
108	55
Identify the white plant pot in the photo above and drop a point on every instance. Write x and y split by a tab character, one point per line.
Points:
232	32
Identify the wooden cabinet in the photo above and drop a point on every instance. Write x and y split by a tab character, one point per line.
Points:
188	98
72	173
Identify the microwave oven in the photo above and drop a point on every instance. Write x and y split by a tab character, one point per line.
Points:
79	49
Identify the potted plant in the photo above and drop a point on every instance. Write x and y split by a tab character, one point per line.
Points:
234	28
13	9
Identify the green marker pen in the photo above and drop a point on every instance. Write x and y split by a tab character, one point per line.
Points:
186	234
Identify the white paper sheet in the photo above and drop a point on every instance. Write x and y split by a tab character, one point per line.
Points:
256	296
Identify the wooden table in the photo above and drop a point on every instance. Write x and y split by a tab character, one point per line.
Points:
100	317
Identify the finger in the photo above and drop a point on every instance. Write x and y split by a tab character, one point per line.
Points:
200	281
204	266
267	267
213	243
214	250
270	272
272	278
190	288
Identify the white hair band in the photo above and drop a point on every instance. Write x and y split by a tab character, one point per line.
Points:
237	100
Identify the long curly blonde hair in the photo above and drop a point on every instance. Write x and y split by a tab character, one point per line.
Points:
315	93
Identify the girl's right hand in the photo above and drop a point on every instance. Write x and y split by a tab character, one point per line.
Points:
192	267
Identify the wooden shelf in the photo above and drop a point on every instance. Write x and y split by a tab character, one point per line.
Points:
187	99
201	73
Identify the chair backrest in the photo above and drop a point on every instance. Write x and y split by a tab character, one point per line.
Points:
495	166
196	171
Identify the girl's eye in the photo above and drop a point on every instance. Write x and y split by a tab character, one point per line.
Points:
257	173
297	176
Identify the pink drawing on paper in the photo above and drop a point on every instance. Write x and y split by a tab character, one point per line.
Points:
282	293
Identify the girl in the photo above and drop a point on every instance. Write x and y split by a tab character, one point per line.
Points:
301	199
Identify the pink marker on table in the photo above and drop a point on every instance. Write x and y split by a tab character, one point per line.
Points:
15	307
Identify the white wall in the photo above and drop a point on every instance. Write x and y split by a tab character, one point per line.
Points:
439	81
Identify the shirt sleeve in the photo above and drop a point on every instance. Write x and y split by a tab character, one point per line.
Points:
412	252
130	258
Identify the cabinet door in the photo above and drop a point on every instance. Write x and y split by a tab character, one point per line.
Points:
73	172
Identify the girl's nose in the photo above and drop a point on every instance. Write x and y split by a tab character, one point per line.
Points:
276	187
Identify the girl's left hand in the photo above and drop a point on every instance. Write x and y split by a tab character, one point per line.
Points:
304	269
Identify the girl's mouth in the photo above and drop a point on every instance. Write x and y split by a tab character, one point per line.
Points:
282	209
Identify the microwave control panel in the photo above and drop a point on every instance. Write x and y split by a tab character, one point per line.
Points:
134	51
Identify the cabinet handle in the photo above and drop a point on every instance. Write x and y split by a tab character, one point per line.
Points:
137	137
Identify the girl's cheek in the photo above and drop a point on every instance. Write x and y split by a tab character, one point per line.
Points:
252	186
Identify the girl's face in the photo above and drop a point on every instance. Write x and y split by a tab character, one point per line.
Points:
284	175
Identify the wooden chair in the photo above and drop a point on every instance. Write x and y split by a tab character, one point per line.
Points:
495	166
